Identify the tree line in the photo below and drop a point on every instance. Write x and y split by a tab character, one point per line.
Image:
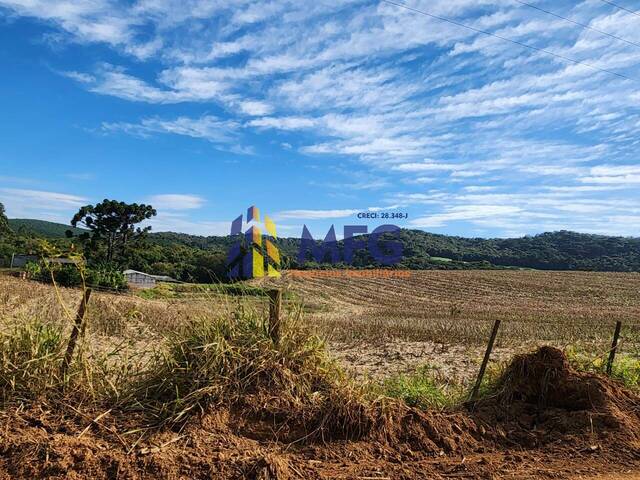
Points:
110	238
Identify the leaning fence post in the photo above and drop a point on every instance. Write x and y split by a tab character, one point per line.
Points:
485	360
77	326
614	347
275	305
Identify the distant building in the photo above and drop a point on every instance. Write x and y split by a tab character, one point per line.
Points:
20	261
137	279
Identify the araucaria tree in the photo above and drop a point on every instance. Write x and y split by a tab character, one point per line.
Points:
112	224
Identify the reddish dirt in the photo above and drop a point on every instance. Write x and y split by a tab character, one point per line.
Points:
546	421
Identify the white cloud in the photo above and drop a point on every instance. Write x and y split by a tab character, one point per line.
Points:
613	175
255	108
283	123
467	213
175	222
53	200
222	133
120	84
315	214
80	77
428	166
478	188
176	201
53	206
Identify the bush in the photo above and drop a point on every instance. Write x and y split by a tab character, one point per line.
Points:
70	275
66	275
106	276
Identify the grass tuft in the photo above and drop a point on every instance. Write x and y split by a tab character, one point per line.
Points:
30	355
625	368
230	360
419	389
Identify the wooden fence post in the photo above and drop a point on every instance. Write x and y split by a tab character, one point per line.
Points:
614	347
485	360
275	306
77	326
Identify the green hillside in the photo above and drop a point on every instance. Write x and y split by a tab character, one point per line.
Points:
561	250
41	228
199	258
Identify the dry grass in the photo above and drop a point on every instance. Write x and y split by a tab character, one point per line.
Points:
375	326
163	361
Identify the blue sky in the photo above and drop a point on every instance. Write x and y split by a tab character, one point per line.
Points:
315	111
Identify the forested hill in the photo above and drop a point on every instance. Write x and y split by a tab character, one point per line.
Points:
42	228
561	250
181	254
422	250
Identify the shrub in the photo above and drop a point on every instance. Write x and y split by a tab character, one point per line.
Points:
106	276
66	275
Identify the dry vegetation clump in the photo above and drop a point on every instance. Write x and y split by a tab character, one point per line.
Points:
29	356
230	361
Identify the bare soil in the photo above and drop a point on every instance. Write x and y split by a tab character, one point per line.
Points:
457	364
545	421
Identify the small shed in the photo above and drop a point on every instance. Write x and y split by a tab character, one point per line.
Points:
139	279
20	261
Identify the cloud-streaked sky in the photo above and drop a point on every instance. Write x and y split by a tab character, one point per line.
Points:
315	111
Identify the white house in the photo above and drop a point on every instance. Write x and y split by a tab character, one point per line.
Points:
139	279
144	280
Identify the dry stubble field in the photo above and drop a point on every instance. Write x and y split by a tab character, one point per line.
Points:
376	325
443	318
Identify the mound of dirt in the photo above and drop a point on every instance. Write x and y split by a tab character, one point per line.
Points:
541	393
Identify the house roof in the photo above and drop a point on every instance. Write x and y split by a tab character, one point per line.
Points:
129	272
160	278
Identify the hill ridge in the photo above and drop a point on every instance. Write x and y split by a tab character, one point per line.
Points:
560	250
